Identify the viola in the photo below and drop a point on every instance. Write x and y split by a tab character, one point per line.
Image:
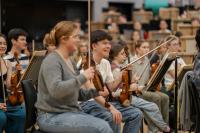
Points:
97	80
126	95
16	96
154	67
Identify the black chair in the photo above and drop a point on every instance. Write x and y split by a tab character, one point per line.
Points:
30	97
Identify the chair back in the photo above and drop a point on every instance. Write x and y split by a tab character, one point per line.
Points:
30	97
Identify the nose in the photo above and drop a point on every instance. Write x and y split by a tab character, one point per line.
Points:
108	45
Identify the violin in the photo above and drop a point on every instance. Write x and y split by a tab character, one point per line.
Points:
16	97
97	80
126	95
154	67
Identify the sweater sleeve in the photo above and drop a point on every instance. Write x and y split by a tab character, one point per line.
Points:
58	88
86	94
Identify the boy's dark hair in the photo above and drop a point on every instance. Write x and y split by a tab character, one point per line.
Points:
197	38
99	35
15	33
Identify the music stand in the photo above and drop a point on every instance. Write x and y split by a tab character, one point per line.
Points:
158	75
181	74
33	68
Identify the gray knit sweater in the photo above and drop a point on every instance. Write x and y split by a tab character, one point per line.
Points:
59	87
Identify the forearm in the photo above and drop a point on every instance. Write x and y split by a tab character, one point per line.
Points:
114	85
101	100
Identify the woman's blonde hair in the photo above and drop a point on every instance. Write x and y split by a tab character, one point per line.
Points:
63	28
172	38
46	40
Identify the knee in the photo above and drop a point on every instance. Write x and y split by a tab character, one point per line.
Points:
154	107
3	119
107	116
103	127
137	115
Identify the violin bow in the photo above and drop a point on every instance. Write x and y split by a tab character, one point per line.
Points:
89	33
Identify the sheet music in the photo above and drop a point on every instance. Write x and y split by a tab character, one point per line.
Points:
158	75
33	68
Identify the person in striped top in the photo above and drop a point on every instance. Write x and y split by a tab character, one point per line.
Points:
17	38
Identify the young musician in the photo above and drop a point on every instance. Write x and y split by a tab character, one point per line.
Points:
159	54
17	38
142	68
150	109
59	88
47	44
173	46
11	117
100	43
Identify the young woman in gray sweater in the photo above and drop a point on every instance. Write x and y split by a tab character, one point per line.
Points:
59	89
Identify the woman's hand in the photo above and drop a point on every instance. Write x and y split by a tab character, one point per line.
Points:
3	106
117	116
89	73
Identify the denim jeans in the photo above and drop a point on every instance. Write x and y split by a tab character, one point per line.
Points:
13	119
71	122
151	113
96	110
131	115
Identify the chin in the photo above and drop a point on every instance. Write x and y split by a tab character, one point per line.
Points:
106	55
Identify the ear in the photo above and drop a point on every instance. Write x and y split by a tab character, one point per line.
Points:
93	46
13	41
136	50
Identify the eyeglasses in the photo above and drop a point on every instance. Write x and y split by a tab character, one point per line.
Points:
83	54
77	36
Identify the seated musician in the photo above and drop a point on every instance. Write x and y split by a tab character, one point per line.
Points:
17	38
80	55
59	88
151	111
47	44
131	116
12	118
142	68
159	54
156	59
173	46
